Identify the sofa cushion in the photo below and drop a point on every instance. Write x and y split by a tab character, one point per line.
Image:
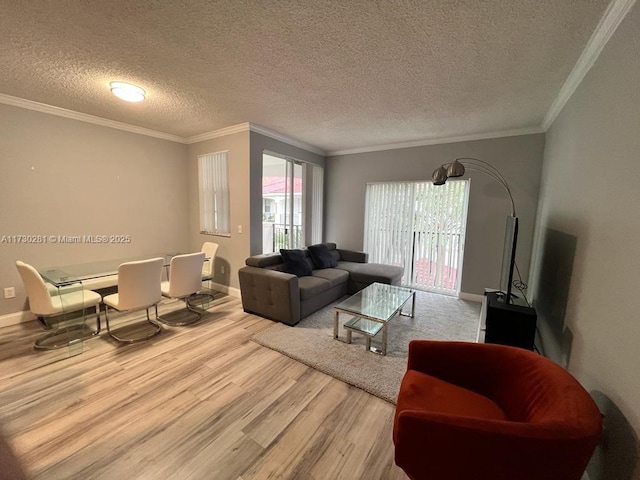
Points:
335	276
372	272
310	286
295	262
321	256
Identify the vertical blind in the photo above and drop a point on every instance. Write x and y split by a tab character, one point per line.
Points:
213	177
420	227
317	201
388	223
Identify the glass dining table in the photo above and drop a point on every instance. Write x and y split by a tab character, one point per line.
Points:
66	275
77	278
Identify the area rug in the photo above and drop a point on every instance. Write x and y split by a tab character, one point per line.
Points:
437	317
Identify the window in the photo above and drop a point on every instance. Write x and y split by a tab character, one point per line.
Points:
213	178
268	210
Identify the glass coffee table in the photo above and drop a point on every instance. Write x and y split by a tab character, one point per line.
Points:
372	308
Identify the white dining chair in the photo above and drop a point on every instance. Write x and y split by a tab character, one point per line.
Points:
138	288
185	280
210	250
43	303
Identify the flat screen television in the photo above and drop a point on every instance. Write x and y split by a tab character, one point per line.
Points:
508	259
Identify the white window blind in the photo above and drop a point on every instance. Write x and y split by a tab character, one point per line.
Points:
420	227
388	223
317	201
213	177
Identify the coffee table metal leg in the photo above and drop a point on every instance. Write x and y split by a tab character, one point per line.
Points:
349	336
413	307
335	323
384	339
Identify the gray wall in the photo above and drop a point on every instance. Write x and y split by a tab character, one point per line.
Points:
588	224
518	158
260	143
233	250
65	177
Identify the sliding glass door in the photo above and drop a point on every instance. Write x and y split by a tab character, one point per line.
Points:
420	227
292	201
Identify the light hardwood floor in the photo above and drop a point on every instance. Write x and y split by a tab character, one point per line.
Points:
195	402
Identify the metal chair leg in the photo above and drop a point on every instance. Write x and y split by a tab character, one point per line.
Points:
187	321
113	335
43	322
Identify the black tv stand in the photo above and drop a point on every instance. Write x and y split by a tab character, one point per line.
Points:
507	323
502	295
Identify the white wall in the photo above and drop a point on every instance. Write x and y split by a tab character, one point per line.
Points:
590	193
518	158
65	177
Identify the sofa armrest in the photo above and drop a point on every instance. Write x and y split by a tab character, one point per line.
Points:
353	256
270	293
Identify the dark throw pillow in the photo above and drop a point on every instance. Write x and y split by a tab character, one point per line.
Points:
321	256
295	262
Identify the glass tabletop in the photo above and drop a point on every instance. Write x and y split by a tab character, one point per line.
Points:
69	274
378	301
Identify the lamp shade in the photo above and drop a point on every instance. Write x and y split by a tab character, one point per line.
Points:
455	169
458	167
439	176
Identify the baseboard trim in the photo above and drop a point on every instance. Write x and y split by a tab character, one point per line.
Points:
234	292
472	297
16	318
26	316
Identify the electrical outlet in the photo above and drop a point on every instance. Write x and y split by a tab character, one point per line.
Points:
221	268
239	228
10	292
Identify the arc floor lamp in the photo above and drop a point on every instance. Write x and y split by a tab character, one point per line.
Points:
457	168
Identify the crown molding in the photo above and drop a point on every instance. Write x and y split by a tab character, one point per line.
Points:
241	127
283	138
439	141
252	127
613	16
84	117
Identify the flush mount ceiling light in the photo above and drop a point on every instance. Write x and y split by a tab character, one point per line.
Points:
127	92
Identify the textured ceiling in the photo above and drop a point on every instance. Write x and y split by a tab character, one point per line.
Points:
333	74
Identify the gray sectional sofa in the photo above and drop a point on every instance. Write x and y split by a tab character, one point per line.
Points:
269	291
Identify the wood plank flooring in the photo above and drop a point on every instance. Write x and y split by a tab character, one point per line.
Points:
195	402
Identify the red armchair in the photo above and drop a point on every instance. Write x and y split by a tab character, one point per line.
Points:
483	411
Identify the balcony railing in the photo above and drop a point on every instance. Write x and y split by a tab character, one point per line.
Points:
432	263
435	260
278	235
